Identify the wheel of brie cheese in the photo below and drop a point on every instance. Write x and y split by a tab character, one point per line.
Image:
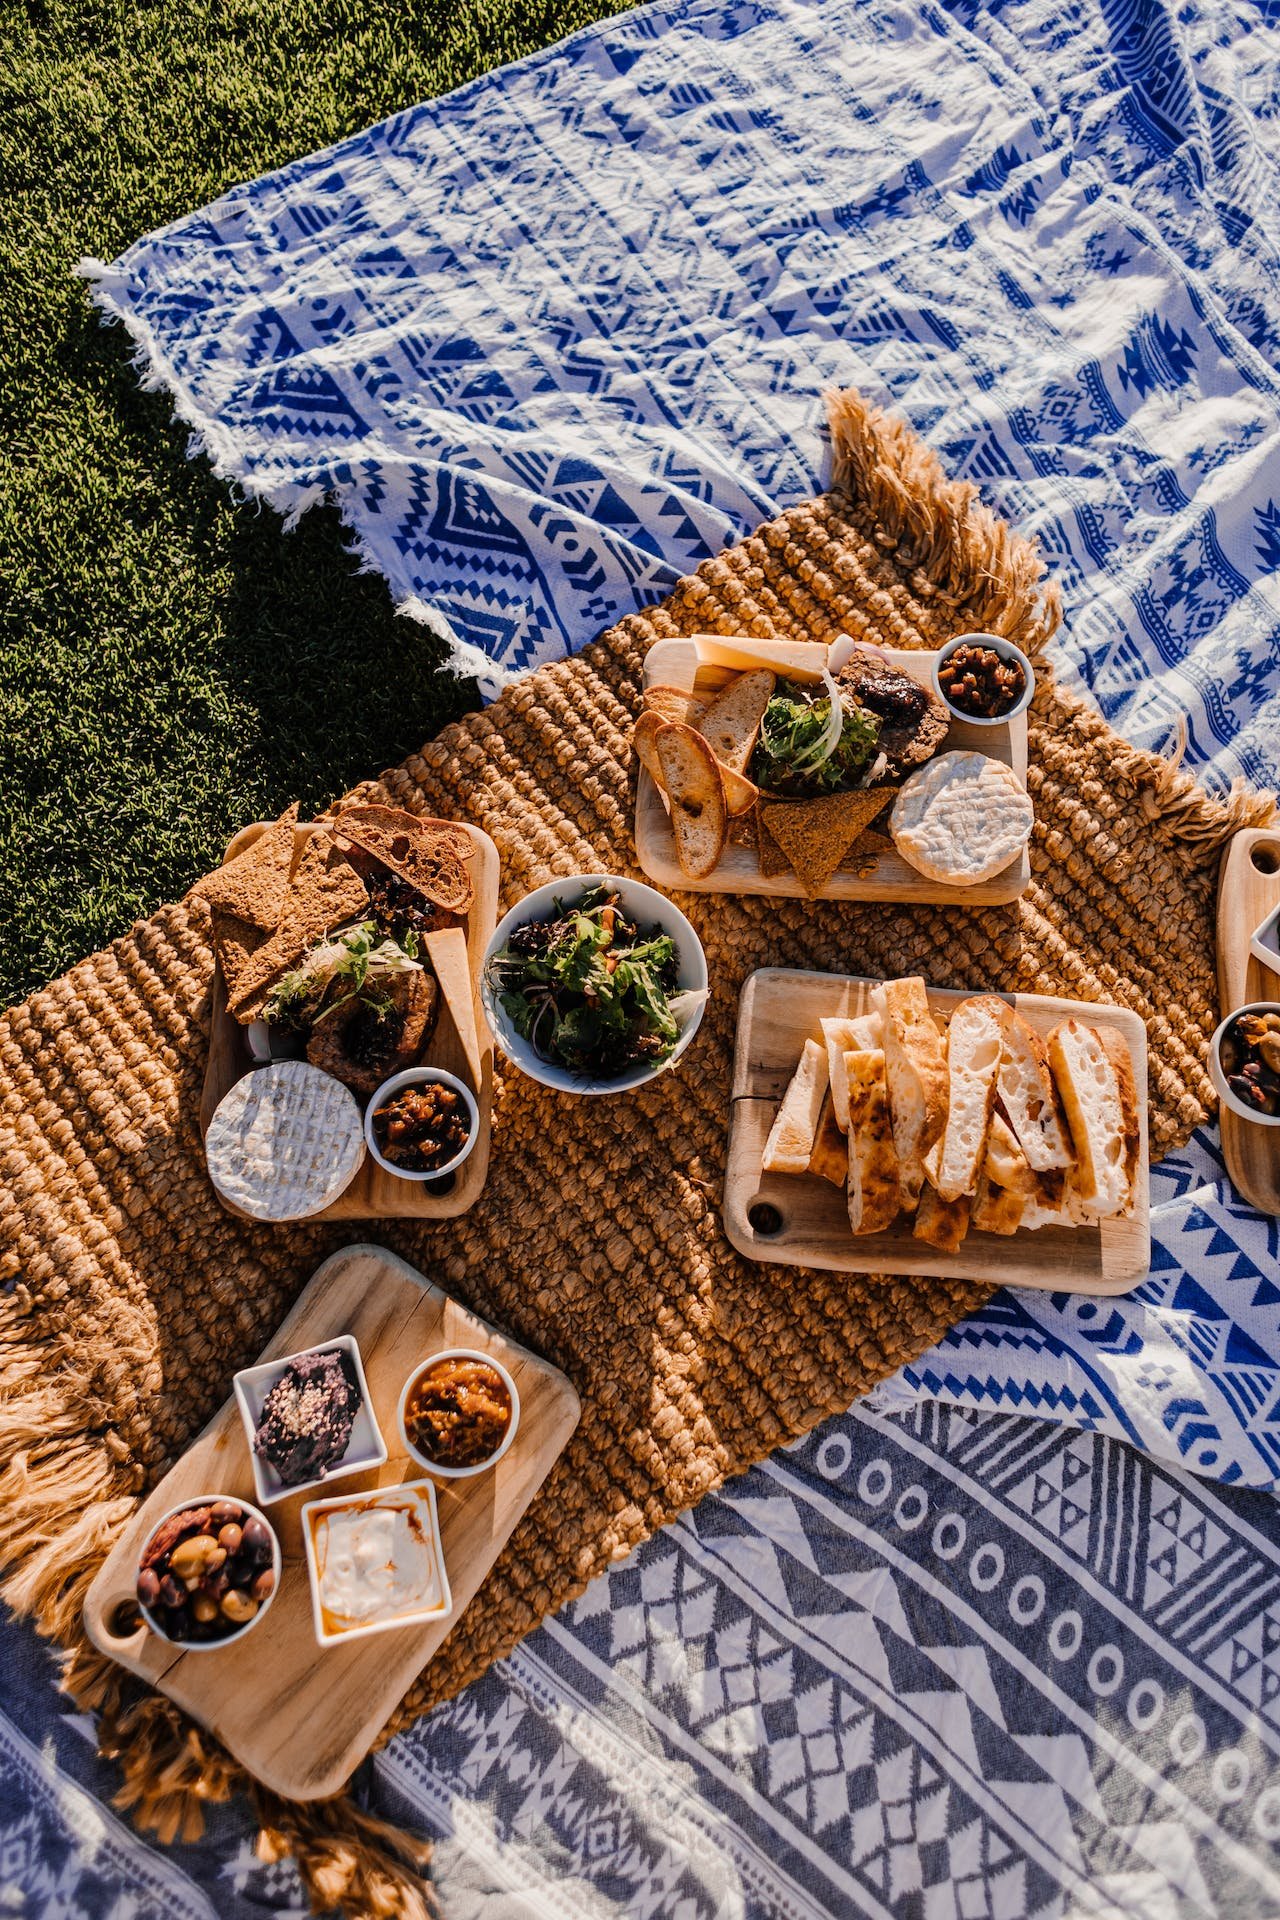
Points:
285	1141
962	818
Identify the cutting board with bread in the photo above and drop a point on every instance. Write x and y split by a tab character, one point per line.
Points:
893	1126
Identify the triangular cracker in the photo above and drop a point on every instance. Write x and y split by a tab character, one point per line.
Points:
325	893
815	835
253	886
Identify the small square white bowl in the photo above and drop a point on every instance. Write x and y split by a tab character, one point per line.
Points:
366	1448
423	1493
1264	942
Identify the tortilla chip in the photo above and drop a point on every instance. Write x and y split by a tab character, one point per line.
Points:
325	893
252	887
815	835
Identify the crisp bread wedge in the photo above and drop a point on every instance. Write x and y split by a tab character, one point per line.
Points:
235	942
841	1037
795	1126
394	820
699	816
252	887
830	1155
973	1060
773	861
815	835
426	853
1100	1114
916	1071
732	722
325	892
873	1185
941	1223
678	706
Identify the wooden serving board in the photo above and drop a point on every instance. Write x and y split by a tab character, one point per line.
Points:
375	1194
676	663
300	1717
1248	890
780	1010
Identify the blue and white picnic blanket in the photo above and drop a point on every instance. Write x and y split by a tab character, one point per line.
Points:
984	1646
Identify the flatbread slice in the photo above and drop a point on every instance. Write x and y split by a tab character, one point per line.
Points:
941	1223
252	887
973	1060
873	1189
1101	1113
732	722
1030	1099
830	1156
795	1126
916	1071
815	835
1005	1184
842	1037
699	816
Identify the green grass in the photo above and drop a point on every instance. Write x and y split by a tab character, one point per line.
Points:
171	663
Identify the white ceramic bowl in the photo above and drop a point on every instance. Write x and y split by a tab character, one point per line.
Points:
483	1466
423	1495
228	1639
647	908
365	1449
1007	651
1219	1078
420	1077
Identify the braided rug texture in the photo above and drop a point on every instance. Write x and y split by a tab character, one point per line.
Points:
131	1296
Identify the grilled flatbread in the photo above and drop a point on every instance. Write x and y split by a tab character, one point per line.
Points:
830	1156
1028	1095
916	1072
1096	1084
941	1223
873	1188
1005	1184
795	1126
842	1037
973	1060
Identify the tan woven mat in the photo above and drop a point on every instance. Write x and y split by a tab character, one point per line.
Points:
131	1296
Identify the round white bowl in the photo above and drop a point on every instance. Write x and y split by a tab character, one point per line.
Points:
646	907
433	1360
1007	651
277	1562
1219	1078
420	1077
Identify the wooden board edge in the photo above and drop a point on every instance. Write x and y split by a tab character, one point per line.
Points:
1238	973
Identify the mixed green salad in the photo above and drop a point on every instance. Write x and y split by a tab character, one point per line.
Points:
812	741
356	965
588	989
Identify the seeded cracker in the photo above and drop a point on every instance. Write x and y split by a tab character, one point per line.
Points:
254	885
235	942
815	835
325	892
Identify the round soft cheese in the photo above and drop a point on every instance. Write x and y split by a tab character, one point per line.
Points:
962	818
285	1141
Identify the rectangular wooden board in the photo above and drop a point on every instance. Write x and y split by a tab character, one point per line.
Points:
1248	890
675	663
375	1194
300	1717
779	1011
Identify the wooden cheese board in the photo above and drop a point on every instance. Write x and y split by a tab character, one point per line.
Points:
461	1044
676	663
298	1717
1248	890
780	1010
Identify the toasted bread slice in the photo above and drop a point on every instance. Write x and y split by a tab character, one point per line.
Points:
1099	1114
847	1036
252	888
830	1156
795	1126
916	1072
644	739
1028	1095
973	1060
678	706
732	722
699	816
1005	1184
941	1223
740	794
873	1161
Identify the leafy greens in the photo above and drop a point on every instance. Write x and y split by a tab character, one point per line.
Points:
794	754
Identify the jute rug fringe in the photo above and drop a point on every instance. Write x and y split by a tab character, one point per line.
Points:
129	1296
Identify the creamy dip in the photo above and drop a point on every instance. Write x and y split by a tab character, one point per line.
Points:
375	1558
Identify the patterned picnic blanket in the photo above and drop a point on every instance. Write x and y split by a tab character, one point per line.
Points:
548	342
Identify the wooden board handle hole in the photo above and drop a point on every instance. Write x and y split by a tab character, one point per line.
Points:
123	1619
765	1220
1265	856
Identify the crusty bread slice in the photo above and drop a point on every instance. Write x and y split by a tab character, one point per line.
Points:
916	1073
1122	1065
1098	1114
973	1060
795	1126
678	706
732	722
830	1156
699	816
847	1036
644	739
1005	1184
1029	1096
941	1223
873	1159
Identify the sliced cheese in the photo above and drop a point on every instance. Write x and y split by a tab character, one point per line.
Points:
795	1128
794	659
284	1141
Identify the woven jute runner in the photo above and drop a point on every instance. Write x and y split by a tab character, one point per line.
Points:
130	1296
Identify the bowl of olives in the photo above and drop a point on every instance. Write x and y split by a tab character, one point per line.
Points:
208	1572
1244	1062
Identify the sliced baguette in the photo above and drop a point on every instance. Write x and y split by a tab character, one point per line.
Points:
732	722
873	1187
847	1036
679	706
973	1061
1099	1114
916	1073
795	1127
941	1223
1029	1096
699	816
644	739
830	1156
1005	1184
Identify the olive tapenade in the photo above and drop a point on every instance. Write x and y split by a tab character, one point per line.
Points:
457	1412
1249	1054
422	1128
981	682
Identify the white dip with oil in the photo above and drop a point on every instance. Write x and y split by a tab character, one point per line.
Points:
375	1561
